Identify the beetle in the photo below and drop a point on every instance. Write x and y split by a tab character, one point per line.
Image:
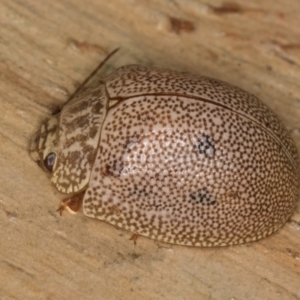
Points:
172	156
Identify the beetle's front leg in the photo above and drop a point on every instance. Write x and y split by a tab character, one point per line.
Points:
72	204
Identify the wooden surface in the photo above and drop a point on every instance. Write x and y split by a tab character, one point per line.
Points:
46	49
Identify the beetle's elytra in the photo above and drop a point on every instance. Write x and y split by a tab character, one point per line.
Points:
178	158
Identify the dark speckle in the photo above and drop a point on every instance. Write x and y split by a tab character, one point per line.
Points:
206	146
115	169
202	196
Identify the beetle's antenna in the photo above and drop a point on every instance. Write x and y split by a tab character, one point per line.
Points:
93	73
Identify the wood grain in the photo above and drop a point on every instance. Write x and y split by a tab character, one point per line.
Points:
46	49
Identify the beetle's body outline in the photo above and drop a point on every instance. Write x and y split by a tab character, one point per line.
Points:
179	158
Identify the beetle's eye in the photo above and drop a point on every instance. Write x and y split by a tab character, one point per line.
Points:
49	161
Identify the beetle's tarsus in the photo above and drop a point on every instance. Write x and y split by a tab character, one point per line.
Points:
134	238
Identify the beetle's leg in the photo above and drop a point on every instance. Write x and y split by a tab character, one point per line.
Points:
134	238
72	204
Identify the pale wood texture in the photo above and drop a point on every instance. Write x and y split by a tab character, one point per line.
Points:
46	49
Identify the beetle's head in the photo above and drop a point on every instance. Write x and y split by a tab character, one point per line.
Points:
67	143
44	145
66	151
